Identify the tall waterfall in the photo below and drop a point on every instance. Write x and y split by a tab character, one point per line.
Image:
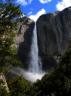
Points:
35	68
35	63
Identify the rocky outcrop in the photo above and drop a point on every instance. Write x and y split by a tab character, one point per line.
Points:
3	82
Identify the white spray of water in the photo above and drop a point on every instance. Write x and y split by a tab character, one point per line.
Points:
35	63
27	75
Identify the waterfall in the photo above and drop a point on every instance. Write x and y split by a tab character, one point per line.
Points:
35	62
35	66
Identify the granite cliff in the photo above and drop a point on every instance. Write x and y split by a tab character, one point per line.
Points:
54	34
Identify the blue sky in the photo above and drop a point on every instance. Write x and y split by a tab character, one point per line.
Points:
35	8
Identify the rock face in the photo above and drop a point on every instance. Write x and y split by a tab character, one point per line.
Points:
54	31
54	34
25	44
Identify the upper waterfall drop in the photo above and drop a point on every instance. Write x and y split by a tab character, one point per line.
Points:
35	62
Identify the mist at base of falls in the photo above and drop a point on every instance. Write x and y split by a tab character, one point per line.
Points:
30	76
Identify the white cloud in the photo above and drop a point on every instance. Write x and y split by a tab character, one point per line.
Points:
45	1
30	13
24	2
4	0
63	4
36	16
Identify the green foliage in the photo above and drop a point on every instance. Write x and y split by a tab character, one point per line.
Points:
57	82
8	17
65	63
19	87
3	91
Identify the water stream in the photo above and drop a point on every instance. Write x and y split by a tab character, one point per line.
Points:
35	62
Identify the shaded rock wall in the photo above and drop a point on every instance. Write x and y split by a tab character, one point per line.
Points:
54	34
24	47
